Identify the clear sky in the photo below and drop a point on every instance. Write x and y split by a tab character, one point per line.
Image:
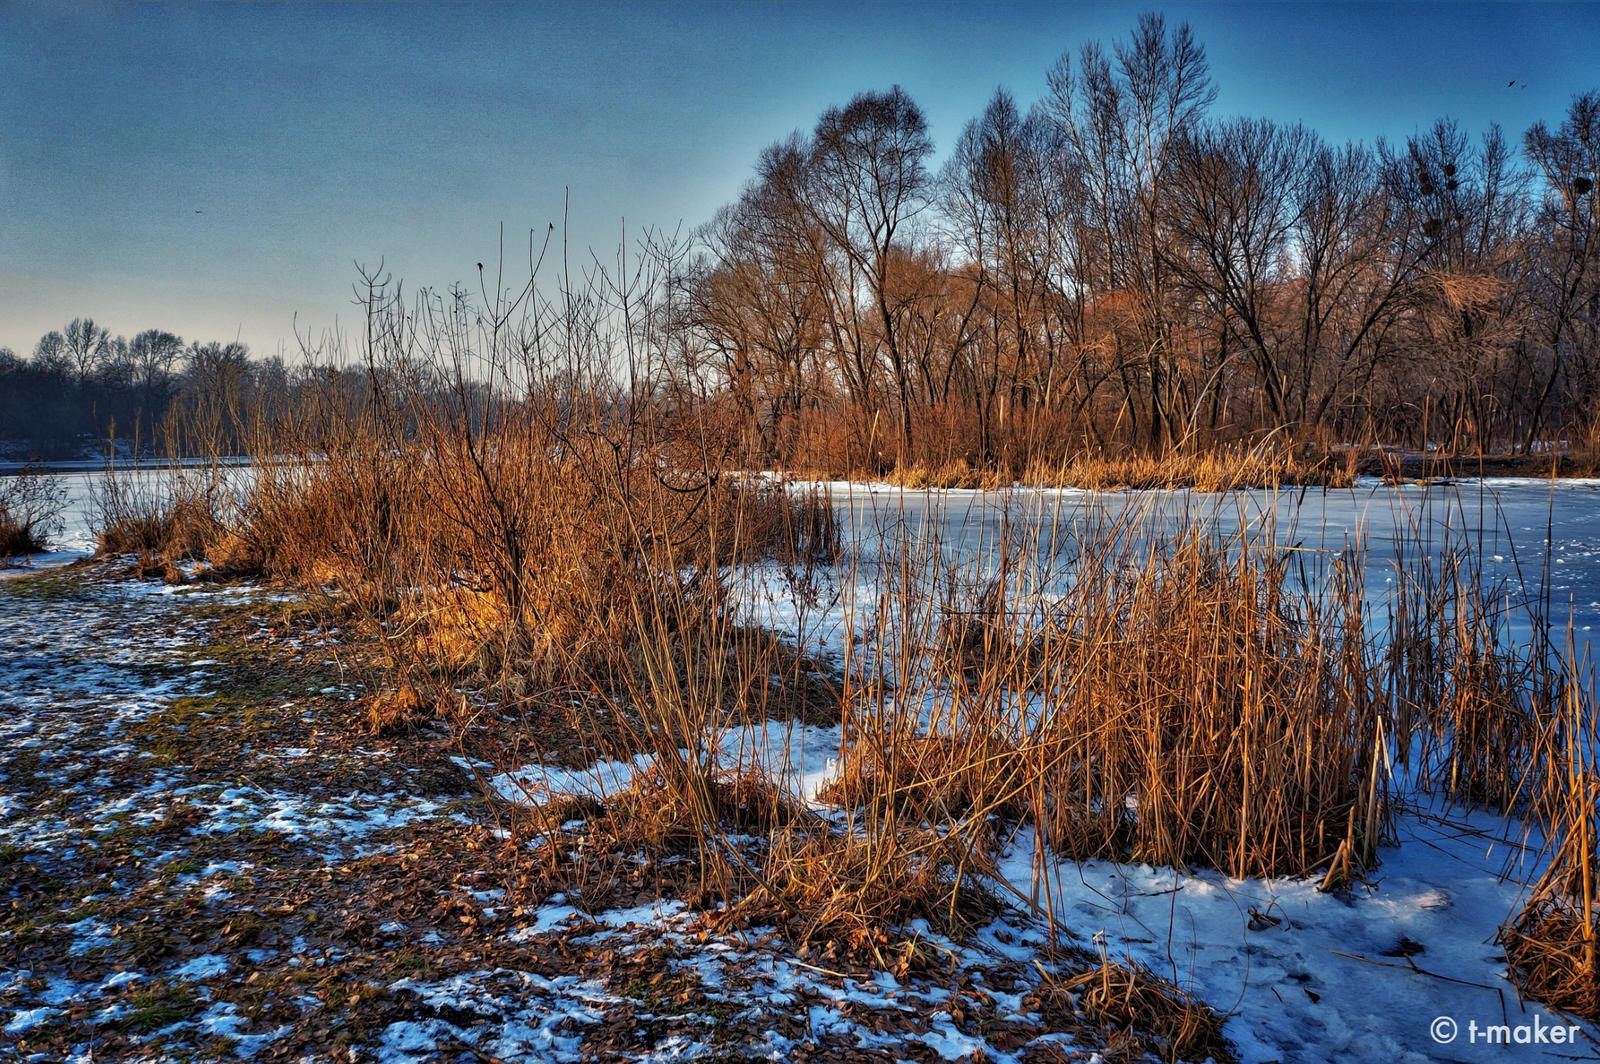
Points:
217	170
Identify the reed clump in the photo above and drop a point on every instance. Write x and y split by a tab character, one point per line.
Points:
1202	470
932	779
1229	711
853	895
168	526
956	473
31	503
1185	700
1472	705
1552	942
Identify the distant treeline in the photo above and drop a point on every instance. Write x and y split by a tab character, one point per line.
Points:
1118	267
83	388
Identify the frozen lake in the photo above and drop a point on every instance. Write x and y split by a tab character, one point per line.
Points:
1297	987
1504	522
1503	525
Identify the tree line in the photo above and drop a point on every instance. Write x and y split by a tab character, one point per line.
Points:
1120	268
1116	269
83	387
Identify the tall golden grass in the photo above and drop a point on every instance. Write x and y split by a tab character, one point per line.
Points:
1553	941
1219	469
1179	699
516	522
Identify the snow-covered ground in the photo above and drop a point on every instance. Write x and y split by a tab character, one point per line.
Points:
1302	975
1310	976
202	858
1382	972
130	832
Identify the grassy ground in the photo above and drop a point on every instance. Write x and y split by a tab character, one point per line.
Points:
206	854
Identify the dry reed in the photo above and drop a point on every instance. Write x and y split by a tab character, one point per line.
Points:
535	530
31	502
1553	942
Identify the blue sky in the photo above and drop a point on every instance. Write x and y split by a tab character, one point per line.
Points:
218	170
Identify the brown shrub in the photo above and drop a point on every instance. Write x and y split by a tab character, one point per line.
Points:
232	555
16	541
31	502
178	528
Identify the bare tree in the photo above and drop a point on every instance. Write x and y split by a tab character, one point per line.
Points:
996	194
1565	257
761	314
85	346
1230	218
1463	309
154	353
50	353
1120	116
869	179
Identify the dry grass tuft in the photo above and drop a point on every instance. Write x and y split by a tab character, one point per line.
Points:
853	896
932	779
675	809
31	502
233	556
397	708
953	474
15	540
149	565
176	527
1149	1012
1550	947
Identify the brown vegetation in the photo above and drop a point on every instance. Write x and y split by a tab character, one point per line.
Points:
1553	943
1149	1012
537	513
1194	701
30	511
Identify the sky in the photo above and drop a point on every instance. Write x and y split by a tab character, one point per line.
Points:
221	170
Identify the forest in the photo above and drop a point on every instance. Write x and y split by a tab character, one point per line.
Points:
84	388
1117	270
1119	267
